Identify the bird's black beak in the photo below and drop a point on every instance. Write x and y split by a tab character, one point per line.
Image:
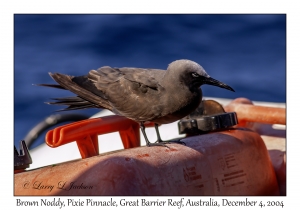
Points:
214	82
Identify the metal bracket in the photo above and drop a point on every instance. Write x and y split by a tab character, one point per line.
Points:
23	159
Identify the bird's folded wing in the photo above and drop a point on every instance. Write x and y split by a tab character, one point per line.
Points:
143	76
106	74
129	90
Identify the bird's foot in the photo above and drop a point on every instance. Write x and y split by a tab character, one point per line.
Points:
176	141
159	141
157	144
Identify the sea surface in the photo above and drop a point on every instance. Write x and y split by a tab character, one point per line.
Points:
247	52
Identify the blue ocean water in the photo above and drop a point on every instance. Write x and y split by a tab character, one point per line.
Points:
247	52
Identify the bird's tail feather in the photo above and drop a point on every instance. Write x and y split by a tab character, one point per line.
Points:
51	85
84	99
73	103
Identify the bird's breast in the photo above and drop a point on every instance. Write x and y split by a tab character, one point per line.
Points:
179	106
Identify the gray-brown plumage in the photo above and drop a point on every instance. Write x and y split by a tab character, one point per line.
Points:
159	96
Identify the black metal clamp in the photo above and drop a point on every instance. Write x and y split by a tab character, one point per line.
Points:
209	116
23	159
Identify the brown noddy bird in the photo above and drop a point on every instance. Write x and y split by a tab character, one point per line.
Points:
155	95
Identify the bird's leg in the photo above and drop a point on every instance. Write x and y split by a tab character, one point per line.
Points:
165	142
149	144
144	133
157	133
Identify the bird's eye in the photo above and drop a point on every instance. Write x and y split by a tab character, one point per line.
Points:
195	74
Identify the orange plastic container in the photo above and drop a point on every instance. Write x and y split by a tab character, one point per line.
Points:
233	162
